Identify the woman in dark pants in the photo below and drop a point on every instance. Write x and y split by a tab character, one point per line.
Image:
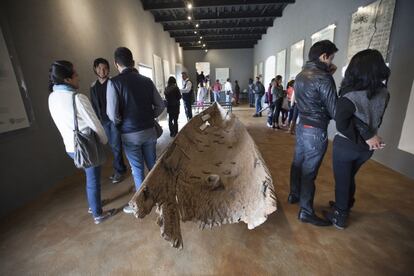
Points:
173	96
363	97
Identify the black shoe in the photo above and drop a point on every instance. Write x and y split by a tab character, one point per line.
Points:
255	115
116	178
336	217
312	219
292	199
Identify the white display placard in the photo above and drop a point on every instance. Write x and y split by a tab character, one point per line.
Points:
371	27
222	74
407	133
178	76
166	67
281	64
270	69
13	114
296	59
158	74
255	72
324	34
146	71
260	70
203	67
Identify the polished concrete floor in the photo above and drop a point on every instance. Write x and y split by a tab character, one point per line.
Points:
54	235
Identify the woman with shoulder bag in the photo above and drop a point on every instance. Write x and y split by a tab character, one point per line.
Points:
63	83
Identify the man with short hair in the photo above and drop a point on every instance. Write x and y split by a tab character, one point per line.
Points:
228	89
187	94
132	104
259	91
316	97
98	100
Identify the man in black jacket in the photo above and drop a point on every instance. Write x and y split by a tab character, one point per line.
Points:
316	97
98	99
132	104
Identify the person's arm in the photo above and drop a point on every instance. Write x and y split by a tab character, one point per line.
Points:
112	104
94	101
187	88
157	102
84	107
328	94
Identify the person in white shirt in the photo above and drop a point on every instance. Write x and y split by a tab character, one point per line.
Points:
229	90
187	93
63	83
201	94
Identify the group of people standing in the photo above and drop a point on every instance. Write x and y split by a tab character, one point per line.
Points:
123	109
116	113
358	113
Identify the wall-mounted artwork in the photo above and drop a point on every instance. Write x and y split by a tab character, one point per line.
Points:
166	67
255	72
270	69
203	67
13	114
222	74
158	74
296	59
178	76
324	34
371	27
281	64
260	72
407	133
146	71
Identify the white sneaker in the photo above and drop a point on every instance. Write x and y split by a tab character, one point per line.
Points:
269	125
128	210
104	216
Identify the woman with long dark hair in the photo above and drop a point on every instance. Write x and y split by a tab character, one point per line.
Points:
63	83
364	97
173	96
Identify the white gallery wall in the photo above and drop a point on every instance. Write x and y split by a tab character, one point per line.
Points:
304	18
32	160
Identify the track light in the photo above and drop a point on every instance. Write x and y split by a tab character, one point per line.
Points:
189	17
195	32
189	6
204	45
197	25
206	50
199	42
201	37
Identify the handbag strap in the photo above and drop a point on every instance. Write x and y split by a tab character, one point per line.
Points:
75	118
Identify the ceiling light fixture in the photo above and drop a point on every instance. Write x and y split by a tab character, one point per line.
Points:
201	37
189	6
206	50
197	25
199	42
195	32
204	45
189	17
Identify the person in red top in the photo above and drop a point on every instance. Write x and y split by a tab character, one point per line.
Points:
217	90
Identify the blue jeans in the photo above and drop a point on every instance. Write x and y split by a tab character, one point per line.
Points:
93	188
258	100
311	145
114	138
216	96
140	147
251	98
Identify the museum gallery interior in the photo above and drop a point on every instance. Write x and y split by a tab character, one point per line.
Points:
204	137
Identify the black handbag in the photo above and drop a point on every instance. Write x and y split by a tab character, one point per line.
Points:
89	151
158	129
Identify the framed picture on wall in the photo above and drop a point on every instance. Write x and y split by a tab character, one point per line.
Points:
13	115
296	59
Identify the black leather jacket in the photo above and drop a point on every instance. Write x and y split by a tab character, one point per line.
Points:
315	94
